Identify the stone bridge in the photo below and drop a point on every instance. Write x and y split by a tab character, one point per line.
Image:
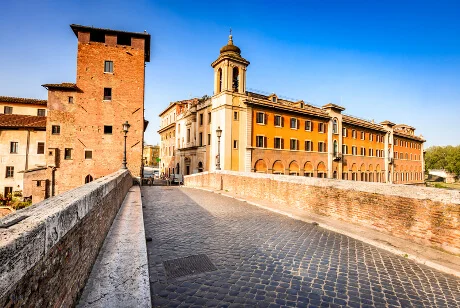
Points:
232	239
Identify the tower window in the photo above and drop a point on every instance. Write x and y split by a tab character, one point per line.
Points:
108	67
55	129
107	94
235	144
123	39
70	99
235	115
236	79
335	129
97	36
219	85
88	154
67	153
108	129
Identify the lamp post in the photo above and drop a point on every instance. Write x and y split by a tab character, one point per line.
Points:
125	130
219	134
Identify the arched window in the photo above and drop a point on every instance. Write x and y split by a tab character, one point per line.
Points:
88	179
335	128
200	167
236	79
219	81
336	148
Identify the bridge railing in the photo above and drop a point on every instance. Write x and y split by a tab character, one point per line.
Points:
47	250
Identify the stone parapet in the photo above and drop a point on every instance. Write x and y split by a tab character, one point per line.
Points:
427	216
46	258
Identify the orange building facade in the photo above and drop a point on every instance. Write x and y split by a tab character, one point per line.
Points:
264	133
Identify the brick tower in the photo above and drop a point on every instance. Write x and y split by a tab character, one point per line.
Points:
85	137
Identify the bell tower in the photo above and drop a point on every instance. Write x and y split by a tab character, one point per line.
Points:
230	69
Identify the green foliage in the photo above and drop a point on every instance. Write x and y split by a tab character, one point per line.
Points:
447	158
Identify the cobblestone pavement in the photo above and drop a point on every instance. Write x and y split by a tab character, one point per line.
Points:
268	260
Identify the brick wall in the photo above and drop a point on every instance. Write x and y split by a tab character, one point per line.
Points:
428	216
46	258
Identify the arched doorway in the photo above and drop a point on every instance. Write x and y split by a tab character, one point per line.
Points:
88	179
177	168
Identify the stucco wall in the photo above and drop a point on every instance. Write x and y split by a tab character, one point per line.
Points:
425	215
46	258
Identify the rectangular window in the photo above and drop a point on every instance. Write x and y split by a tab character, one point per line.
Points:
321	147
235	115
9	171
201	119
344	132
371	152
344	149
371	137
41	148
353	134
209	117
14	147
55	129
235	144
278	143
363	152
200	139
88	154
363	134
8	110
279	121
260	118
209	139
321	127
67	153
107	94
308	126
294	144
108	66
294	123
353	150
8	191
260	141
188	135
308	146
41	112
108	129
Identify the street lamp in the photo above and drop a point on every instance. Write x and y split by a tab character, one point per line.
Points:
219	133
125	130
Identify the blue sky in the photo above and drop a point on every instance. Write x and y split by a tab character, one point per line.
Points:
382	60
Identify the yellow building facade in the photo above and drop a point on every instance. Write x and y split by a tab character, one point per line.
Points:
265	133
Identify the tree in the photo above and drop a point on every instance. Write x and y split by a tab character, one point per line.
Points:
447	158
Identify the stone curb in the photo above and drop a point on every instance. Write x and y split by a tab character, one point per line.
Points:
419	260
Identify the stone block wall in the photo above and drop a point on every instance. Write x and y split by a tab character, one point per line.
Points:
46	258
429	216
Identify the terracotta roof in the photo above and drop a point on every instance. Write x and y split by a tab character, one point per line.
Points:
64	86
144	35
19	120
20	100
260	99
401	134
363	123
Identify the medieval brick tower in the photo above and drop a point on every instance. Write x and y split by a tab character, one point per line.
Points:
85	136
